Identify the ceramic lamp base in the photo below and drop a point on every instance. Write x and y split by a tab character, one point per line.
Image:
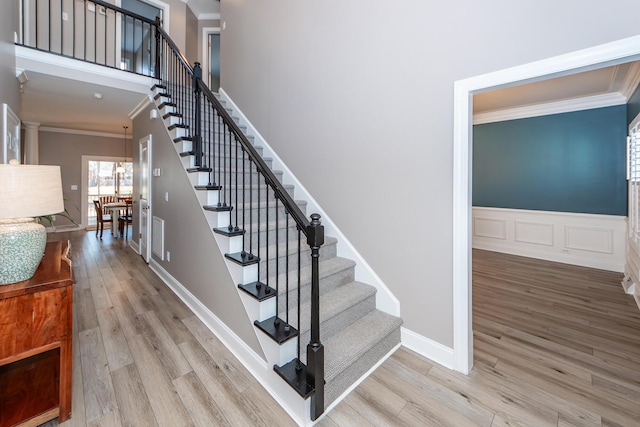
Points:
22	243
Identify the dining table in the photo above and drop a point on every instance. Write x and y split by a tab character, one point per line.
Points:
114	209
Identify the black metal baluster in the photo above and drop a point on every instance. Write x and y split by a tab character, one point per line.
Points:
61	31
251	209
49	28
37	25
236	228
106	13
298	364
95	33
277	255
286	269
266	238
244	204
259	239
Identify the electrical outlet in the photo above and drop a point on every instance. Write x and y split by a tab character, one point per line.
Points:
166	196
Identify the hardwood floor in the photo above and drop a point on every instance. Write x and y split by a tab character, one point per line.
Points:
555	345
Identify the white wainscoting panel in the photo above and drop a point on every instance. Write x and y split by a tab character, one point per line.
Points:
589	240
490	228
533	232
586	239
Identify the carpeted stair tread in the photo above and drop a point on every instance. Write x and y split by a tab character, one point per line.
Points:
327	268
348	345
339	300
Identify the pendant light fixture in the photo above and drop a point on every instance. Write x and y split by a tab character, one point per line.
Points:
120	169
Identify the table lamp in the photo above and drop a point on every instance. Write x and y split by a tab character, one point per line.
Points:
26	191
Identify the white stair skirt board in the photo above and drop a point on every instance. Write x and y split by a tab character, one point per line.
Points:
385	300
588	240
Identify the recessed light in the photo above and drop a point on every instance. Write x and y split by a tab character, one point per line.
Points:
97	95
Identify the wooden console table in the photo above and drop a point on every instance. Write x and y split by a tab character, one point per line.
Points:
35	343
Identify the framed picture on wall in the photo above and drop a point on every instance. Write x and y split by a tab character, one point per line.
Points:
10	135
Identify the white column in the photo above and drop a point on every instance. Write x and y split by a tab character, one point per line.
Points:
31	143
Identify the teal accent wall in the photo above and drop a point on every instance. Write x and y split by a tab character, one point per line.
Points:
570	162
633	106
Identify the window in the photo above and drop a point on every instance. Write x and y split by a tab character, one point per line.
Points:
104	181
633	175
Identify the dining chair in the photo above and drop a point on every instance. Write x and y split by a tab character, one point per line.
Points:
126	219
103	201
101	217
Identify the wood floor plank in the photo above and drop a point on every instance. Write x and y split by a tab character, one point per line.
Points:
167	350
167	406
99	397
231	367
85	309
421	389
133	402
221	389
128	319
203	410
115	343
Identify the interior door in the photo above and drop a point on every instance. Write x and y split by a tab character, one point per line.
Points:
145	198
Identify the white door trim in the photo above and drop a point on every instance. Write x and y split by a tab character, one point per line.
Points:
620	51
148	139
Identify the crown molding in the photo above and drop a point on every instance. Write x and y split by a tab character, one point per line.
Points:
140	107
632	81
547	108
83	132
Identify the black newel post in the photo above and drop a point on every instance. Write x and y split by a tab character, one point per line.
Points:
157	65
197	133
315	349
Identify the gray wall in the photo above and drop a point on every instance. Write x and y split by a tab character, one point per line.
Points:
357	99
191	37
9	85
66	150
196	261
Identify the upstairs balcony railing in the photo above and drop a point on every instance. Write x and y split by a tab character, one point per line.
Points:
274	229
92	31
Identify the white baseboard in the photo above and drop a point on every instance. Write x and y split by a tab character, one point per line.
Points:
258	367
596	241
430	349
134	245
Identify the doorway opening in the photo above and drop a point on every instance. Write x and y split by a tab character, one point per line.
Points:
101	180
618	52
211	57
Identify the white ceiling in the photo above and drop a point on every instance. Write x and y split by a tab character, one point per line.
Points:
70	104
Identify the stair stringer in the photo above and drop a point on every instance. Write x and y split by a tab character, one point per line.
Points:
385	300
297	407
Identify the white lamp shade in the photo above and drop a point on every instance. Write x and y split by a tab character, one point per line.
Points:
30	191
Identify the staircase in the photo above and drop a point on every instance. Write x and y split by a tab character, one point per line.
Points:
355	335
317	325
